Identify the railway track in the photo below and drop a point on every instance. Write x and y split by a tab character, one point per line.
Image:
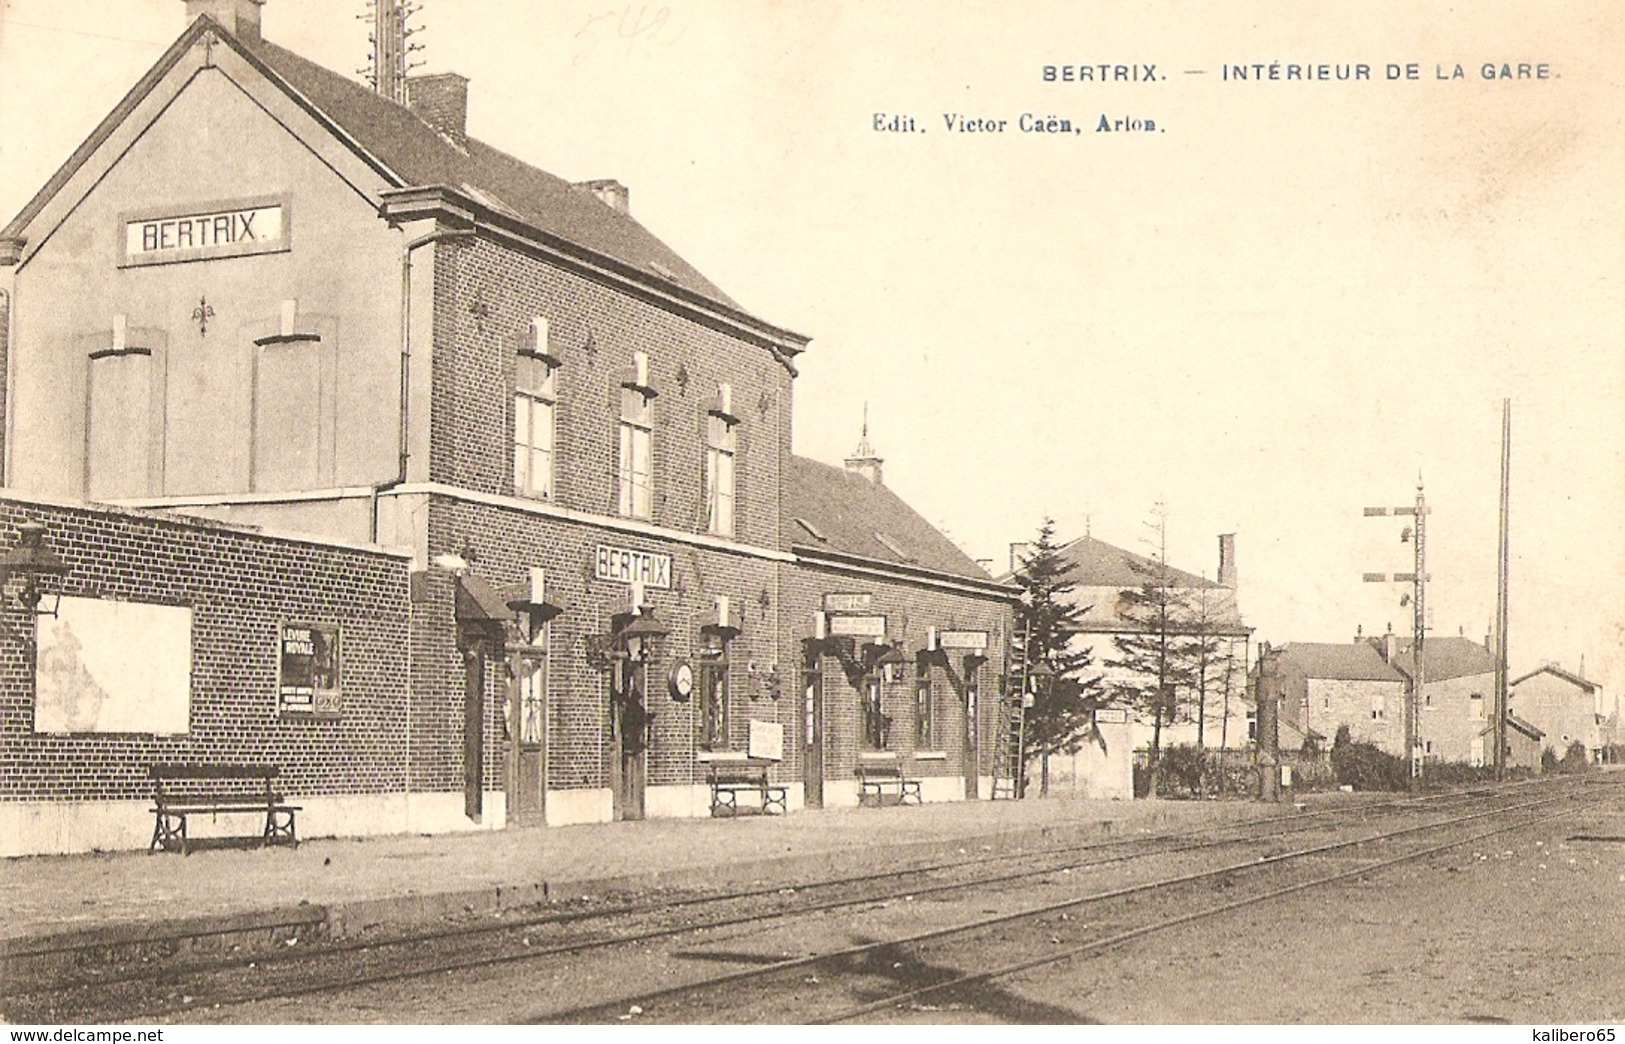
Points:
876	977
556	936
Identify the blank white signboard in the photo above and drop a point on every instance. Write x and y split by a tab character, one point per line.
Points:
106	666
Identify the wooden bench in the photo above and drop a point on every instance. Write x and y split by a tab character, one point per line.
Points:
878	775
179	791
729	778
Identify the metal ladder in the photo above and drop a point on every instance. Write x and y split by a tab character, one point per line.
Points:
1007	767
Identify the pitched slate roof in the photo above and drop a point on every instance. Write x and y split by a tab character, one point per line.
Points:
419	155
1445	658
1524	727
1339	662
832	510
409	152
1554	669
1099	564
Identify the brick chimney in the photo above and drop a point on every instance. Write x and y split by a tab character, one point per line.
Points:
441	101
1227	560
240	18
614	194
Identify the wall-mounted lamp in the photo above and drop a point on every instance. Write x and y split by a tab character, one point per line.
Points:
39	567
888	658
725	627
1040	676
531	608
641	636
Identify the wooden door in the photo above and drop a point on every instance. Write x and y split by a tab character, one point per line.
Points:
630	722
527	732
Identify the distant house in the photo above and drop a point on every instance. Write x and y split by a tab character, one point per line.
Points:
1524	742
1102	573
1562	705
1458	682
1323	686
1364	685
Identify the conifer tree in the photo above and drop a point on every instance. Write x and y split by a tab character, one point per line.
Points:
1061	714
1159	658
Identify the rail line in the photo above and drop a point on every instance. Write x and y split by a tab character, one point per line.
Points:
648	1004
317	980
1174	840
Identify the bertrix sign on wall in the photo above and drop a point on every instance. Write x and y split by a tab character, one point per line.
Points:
217	230
627	566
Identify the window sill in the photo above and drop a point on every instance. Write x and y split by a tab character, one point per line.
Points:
288	338
547	359
930	755
879	755
705	756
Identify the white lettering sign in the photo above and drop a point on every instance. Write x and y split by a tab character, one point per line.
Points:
766	740
858	626
626	566
210	233
848	603
963	640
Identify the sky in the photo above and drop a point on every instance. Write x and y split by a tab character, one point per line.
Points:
1283	304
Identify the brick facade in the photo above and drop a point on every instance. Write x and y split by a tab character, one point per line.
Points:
912	608
241	587
428	279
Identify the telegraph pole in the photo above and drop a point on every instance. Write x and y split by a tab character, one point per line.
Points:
1501	579
1419	586
1418	600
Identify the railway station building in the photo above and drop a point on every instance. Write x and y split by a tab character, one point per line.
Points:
508	483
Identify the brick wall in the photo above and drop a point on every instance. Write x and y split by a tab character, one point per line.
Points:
240	586
911	609
506	543
487	295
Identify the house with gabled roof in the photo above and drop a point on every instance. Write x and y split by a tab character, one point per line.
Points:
1563	705
1105	576
1458	694
1327	685
266	295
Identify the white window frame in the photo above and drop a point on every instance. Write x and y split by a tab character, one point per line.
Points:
535	419
637	452
721	490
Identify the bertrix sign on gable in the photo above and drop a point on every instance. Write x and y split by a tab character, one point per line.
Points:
216	230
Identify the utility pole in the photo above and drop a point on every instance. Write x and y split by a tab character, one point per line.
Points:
391	59
1419	586
1418	601
1501	583
1267	701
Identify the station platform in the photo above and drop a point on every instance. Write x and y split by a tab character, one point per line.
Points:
349	886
